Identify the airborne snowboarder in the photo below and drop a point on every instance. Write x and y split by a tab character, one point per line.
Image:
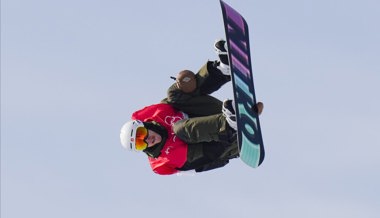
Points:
189	129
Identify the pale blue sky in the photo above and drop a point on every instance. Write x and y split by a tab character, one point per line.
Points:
72	72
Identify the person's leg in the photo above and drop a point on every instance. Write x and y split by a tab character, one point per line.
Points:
210	78
204	129
199	102
209	155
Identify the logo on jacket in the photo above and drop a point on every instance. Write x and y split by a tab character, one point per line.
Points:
168	149
171	120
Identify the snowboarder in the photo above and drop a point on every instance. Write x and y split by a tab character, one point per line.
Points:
189	129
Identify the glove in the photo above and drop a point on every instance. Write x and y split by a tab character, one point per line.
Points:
186	81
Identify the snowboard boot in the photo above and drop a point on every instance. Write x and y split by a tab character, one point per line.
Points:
228	110
223	65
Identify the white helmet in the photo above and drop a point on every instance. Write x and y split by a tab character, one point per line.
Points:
128	134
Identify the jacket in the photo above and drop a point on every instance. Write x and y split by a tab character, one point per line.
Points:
174	152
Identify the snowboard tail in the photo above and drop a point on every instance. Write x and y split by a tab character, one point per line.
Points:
250	141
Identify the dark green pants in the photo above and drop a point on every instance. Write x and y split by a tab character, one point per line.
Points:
211	141
201	129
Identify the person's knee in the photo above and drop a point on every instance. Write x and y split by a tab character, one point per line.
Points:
179	129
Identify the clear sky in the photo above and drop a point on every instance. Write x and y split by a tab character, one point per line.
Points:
72	72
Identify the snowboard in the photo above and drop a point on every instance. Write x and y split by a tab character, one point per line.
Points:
250	141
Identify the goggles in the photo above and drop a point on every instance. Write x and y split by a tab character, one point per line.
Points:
141	136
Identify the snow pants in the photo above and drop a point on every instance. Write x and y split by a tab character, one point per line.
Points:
211	141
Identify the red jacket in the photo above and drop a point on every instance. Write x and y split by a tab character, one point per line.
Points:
174	153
